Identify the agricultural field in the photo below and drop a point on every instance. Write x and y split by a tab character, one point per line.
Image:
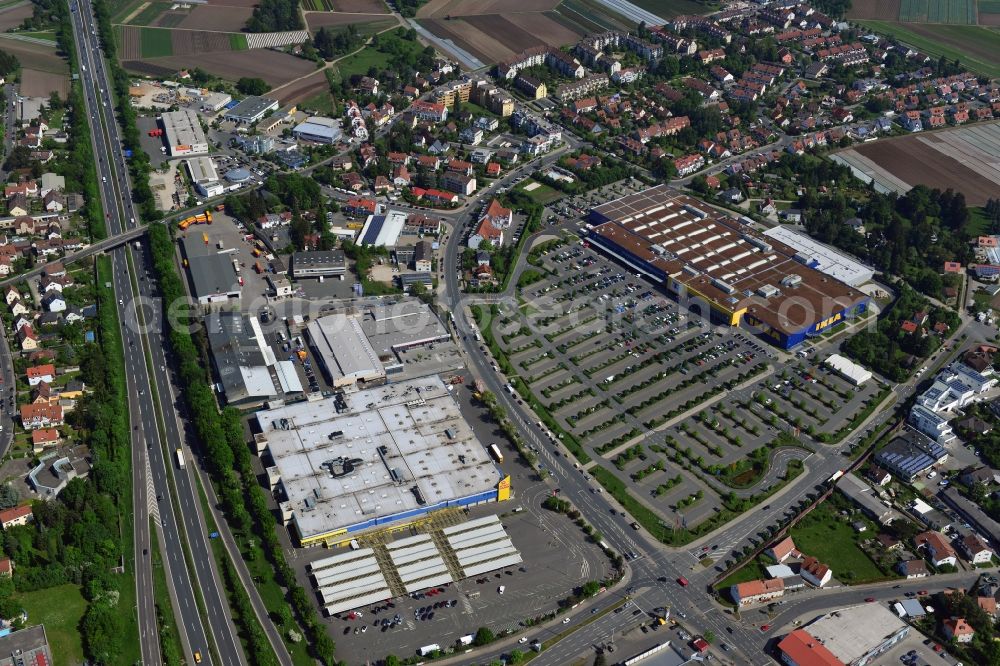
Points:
273	66
672	8
366	24
874	10
155	42
40	57
209	17
493	30
975	46
963	159
36	83
13	16
307	87
938	11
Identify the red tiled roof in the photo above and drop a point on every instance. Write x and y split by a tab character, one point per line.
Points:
805	650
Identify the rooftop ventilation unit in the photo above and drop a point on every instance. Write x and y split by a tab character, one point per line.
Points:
791	280
691	270
768	291
758	243
697	212
723	286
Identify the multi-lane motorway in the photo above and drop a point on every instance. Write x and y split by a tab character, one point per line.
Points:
151	455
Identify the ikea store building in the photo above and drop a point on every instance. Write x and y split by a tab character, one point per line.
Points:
722	269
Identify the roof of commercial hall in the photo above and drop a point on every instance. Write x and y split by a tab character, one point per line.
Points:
720	258
428	446
401	324
850	632
345	350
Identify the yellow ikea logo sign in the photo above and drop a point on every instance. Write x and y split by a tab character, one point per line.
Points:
829	322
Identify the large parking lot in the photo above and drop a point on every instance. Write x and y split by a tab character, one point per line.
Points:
683	411
556	559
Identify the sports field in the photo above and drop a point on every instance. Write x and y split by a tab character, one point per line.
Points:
975	46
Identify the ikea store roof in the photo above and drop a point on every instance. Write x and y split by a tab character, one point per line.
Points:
401	447
711	254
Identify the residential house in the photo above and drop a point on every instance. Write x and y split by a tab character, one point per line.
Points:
911	569
757	591
957	629
27	338
17	205
815	572
937	548
40	373
878	476
41	416
782	550
975	550
431	111
44	438
459	182
54	302
15	516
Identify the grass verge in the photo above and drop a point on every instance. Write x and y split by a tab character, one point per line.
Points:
60	609
170	637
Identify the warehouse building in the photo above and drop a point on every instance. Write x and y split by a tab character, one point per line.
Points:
213	277
364	347
343	352
251	110
721	269
381	458
823	258
853	636
183	133
214	101
318	130
204	176
247	370
383	229
407	324
331	263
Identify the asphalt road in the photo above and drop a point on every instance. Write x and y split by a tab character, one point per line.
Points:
657	568
599	510
121	217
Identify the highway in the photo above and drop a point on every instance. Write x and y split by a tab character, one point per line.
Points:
150	455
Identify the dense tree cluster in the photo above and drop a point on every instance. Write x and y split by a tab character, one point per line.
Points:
252	85
910	236
275	16
885	347
330	44
408	8
8	63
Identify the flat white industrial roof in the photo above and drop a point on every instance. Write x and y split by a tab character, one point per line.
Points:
343	347
202	170
287	377
833	262
851	632
184	129
397	448
856	373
